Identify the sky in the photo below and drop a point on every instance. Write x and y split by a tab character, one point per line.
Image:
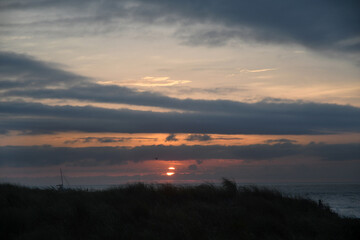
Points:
120	91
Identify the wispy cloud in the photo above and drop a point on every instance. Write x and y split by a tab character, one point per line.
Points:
105	139
148	82
257	70
280	141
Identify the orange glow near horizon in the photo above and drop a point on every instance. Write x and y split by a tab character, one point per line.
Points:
79	139
170	173
171	168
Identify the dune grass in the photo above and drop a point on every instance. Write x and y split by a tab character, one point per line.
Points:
164	211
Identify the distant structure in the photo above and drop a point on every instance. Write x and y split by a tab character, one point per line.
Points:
61	186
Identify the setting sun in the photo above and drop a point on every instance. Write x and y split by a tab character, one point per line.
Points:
170	173
171	168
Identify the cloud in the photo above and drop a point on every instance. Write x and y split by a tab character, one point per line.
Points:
217	90
36	156
171	138
81	88
322	24
229	138
22	71
250	173
192	167
269	119
199	137
199	161
72	141
318	25
257	70
35	79
150	82
281	140
98	139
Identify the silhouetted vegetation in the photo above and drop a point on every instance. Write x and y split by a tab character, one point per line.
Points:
148	211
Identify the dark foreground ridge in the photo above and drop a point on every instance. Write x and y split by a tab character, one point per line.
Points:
148	211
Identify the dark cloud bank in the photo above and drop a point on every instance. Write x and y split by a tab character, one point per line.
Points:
36	156
39	118
171	138
321	24
106	139
25	72
199	137
22	76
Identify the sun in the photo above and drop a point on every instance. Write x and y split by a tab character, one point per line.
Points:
171	171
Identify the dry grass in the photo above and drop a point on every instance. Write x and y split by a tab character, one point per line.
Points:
145	211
